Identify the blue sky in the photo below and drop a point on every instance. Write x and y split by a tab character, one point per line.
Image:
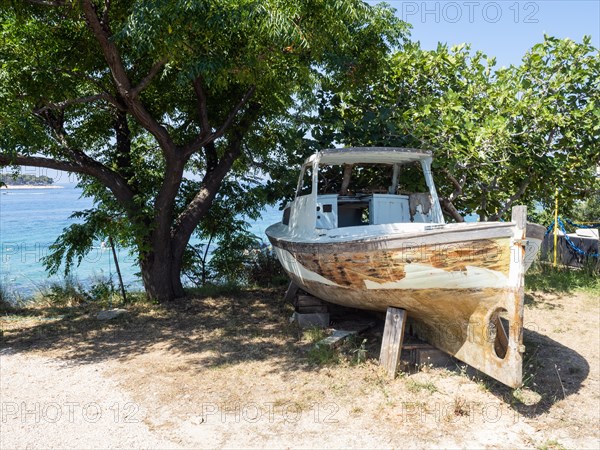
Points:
504	29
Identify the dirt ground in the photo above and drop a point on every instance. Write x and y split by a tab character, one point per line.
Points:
231	371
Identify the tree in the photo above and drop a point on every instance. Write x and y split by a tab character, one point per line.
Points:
588	211
135	95
499	136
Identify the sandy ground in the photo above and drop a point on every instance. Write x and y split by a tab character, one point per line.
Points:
49	403
231	372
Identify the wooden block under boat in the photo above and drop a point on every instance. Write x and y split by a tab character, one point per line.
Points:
309	300
311	309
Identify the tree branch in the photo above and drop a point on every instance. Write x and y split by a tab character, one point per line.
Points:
205	128
113	58
202	108
517	195
80	163
106	11
550	136
202	139
83	165
229	120
37	161
483	205
75	101
458	185
189	218
48	2
148	78
450	210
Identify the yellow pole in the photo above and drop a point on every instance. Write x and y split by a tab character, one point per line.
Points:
555	226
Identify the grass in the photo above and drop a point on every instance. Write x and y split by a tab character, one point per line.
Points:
547	278
321	355
552	445
461	406
313	334
357	349
5	303
352	351
67	293
10	300
415	386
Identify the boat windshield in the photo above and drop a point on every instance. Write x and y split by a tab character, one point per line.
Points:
370	179
352	179
338	189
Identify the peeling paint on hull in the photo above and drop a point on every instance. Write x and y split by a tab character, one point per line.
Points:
455	292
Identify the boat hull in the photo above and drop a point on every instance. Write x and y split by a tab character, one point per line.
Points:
457	284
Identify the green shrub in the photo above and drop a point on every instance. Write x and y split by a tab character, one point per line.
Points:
5	299
68	292
241	261
265	270
103	290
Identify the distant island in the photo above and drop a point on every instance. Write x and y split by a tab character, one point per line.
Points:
26	181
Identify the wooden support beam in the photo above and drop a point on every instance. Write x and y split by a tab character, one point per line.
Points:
311	309
310	304
391	344
291	292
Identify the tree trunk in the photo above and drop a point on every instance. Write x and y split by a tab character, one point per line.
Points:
346	179
161	275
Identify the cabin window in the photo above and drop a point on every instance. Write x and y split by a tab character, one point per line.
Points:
330	179
352	179
370	179
411	179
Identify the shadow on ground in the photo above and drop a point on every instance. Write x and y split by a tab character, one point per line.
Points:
551	372
251	326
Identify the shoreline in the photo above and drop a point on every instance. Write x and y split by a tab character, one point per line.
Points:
30	186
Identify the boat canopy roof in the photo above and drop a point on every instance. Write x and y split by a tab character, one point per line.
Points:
369	155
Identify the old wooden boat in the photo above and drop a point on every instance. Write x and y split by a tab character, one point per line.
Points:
351	240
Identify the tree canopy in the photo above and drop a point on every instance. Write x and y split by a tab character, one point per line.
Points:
133	94
499	136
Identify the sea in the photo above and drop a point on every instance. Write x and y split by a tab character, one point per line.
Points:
32	219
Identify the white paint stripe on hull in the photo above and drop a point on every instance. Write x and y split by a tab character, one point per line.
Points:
423	276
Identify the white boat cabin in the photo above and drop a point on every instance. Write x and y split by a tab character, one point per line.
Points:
358	187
